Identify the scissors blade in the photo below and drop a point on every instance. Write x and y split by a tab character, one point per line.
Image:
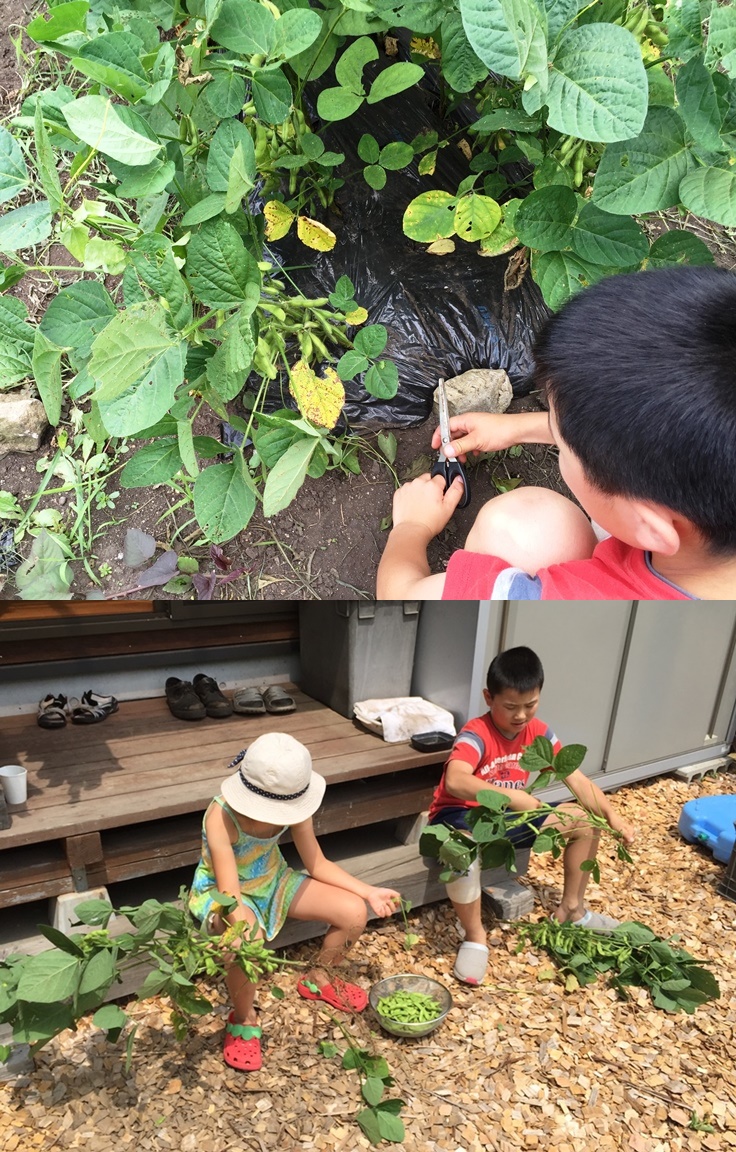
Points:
444	415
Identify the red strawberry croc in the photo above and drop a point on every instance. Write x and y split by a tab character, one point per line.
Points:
346	997
242	1047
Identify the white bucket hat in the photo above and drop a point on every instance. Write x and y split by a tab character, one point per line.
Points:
275	782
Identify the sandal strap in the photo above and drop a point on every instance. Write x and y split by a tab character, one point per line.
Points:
244	1031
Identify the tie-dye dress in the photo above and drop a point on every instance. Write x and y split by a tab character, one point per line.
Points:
267	883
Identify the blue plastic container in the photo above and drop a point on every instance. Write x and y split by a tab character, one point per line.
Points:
709	821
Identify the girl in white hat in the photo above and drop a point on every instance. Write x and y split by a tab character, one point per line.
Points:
273	788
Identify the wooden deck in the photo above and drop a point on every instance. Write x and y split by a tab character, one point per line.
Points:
125	797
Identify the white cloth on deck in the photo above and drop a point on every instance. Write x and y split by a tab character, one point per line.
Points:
398	718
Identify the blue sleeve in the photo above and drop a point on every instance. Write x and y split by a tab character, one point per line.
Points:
514	584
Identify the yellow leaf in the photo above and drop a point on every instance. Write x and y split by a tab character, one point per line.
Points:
441	247
357	316
315	235
428	48
320	398
278	219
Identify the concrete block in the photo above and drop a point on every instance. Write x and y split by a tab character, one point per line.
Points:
18	1063
409	828
691	771
62	909
509	899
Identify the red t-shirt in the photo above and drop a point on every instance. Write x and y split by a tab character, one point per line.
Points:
615	571
493	757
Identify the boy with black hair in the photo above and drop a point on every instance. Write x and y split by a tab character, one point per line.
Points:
486	754
640	376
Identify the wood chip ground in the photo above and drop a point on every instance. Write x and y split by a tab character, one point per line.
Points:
519	1064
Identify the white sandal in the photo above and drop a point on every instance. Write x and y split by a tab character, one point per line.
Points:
471	963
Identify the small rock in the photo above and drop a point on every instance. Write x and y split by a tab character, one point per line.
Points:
22	422
478	390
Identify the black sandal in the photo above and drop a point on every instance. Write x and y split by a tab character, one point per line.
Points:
52	712
84	713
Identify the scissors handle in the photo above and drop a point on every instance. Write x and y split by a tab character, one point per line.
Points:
449	469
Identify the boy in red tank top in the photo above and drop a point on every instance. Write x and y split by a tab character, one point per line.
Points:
486	755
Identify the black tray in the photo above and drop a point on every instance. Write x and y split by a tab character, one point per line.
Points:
432	741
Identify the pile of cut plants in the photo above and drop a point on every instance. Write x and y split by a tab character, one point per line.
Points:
530	1058
158	152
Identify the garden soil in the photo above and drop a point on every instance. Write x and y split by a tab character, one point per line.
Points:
327	543
518	1064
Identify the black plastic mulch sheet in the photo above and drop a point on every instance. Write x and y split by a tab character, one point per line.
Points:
444	314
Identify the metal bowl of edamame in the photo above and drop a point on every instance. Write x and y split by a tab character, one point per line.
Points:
409	1005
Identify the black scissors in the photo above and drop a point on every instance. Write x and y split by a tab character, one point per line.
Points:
444	466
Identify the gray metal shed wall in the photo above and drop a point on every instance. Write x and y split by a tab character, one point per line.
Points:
645	686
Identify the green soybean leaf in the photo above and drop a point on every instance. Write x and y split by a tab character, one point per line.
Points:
372	1089
508	36
206	209
602	238
77	314
349	68
561	274
152	464
371	340
287	476
13	322
153	260
644	174
46	162
225	93
382	379
221	271
295	32
246	27
317	59
127	349
368	149
44	575
228	368
679	247
46	363
684	28
113	131
109	1016
369	1125
375	176
711	192
149	180
26	226
569	758
223	501
229	135
272	95
394	79
351	364
544	218
113	60
337	103
506	118
97	975
49	977
698	103
396	155
721	48
430	216
598	85
239	182
461	67
476	217
148	399
15	364
63	19
186	446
